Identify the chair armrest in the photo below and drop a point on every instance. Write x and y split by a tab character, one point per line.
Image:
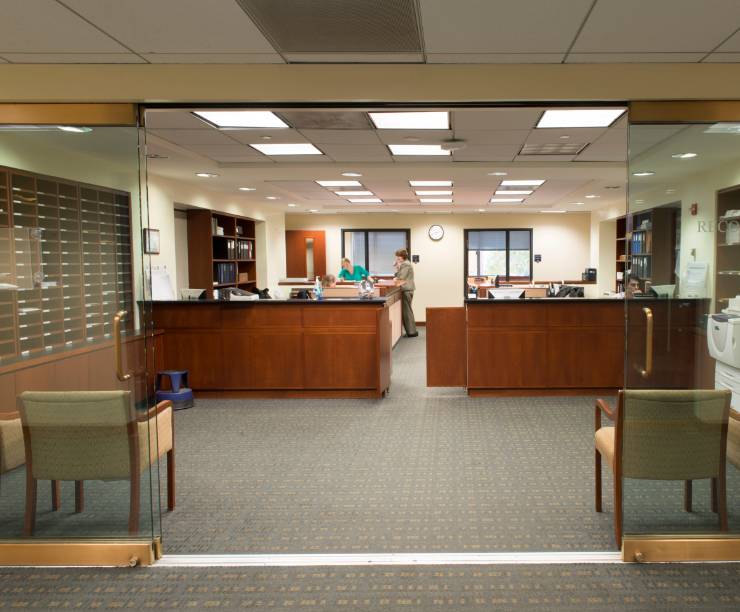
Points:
734	415
9	415
602	406
155	410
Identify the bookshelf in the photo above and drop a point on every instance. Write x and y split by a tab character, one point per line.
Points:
221	251
727	276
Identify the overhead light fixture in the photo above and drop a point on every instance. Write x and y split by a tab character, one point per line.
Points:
272	198
433	192
613	187
74	129
558	148
291	205
239	119
402	149
514	192
435	200
507	200
522	183
683	155
339	183
351	174
590	196
575	203
564	137
354	193
247	189
579	117
552	212
296	148
313	210
723	128
206	174
430	183
481	210
643	173
365	200
411	120
639	201
671	190
498	173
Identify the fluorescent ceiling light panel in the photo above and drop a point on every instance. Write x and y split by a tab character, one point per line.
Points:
242	119
552	212
507	200
339	183
522	183
643	173
513	192
433	192
411	121
402	149
351	174
435	200
297	148
354	193
430	183
365	200
580	117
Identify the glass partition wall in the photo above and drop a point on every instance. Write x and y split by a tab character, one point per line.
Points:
677	435
79	442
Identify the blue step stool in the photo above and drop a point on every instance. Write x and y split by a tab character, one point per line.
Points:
180	394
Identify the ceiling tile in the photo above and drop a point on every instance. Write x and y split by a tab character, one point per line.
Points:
658	26
731	45
188	137
421	136
495	58
732	58
46	26
633	58
304	159
553	135
276	136
355	58
498	137
357	137
233	159
168	119
487	153
356	153
482	26
604	151
544	159
496	119
73	58
218	26
213	58
224	150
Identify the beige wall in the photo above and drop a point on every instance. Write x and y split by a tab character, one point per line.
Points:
562	240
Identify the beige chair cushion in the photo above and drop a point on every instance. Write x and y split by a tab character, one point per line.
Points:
733	443
12	451
604	440
155	437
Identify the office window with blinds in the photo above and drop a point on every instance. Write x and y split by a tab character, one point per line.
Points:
374	249
506	253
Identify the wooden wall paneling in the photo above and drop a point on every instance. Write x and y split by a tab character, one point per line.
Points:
7	392
340	359
70	374
198	351
201	316
498	358
33	379
295	252
275	359
237	316
346	316
446	347
585	357
506	315
384	347
396	318
200	250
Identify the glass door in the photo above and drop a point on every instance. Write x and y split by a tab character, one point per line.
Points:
677	428
81	440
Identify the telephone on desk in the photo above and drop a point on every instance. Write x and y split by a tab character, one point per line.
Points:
233	294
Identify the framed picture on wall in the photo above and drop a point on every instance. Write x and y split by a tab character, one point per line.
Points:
151	241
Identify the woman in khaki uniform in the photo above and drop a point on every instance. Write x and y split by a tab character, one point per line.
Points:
404	277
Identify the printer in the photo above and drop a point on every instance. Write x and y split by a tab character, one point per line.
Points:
723	338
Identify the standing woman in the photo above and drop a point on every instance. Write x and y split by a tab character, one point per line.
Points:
404	278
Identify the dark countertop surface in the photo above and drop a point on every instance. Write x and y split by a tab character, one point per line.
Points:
330	301
577	300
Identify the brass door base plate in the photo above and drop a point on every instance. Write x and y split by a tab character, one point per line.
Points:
663	549
117	553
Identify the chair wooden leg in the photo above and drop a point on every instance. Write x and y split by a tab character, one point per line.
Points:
721	499
79	496
29	522
714	494
597	480
56	495
171	480
133	512
618	511
687	495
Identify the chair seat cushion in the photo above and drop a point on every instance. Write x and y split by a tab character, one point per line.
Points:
604	440
155	437
12	450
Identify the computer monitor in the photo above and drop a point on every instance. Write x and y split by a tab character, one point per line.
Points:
513	293
663	291
192	294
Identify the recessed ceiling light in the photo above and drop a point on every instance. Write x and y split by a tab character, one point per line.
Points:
522	183
433	192
291	205
509	200
411	120
481	210
683	155
242	119
74	129
354	193
272	198
435	200
612	187
339	183
365	200
576	203
564	137
296	148
514	192
266	137
644	173
313	210
247	189
351	174
639	201
552	211
430	183
497	173
590	196
206	174
579	118
670	191
402	149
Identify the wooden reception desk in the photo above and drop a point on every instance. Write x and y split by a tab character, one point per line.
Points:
280	348
566	346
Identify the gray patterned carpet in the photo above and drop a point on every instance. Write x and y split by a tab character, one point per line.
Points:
428	470
543	588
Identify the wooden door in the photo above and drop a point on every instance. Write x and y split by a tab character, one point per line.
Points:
300	245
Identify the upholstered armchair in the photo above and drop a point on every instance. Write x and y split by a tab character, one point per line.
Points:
733	439
93	435
664	435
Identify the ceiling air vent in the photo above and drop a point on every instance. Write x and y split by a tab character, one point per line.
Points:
337	26
327	120
573	148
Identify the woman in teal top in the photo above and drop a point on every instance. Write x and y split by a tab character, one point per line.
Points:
352	273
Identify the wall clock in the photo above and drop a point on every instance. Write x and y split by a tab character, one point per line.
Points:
436	232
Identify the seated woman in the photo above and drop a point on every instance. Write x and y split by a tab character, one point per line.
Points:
329	280
351	272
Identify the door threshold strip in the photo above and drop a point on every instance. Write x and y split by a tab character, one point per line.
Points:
368	559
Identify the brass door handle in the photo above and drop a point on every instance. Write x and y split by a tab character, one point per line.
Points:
120	315
648	343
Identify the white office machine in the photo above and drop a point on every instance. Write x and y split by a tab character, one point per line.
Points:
512	293
723	338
